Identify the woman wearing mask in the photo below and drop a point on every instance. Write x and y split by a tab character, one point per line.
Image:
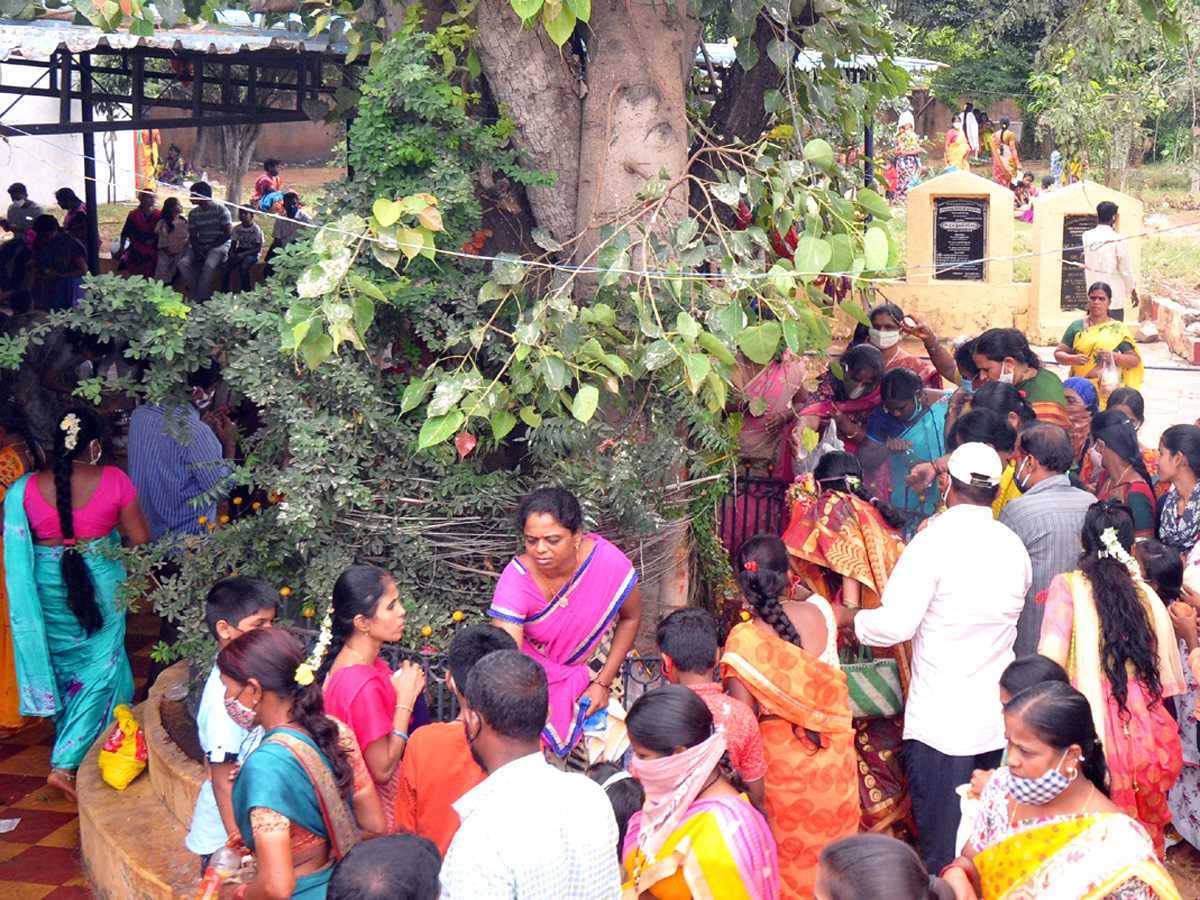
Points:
888	327
957	149
1047	826
908	429
783	663
1112	634
1082	404
1130	401
360	689
847	396
1008	402
1004	355
697	836
304	797
1123	475
1179	463
908	155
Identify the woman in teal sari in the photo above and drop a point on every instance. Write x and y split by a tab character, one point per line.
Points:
304	797
909	428
68	633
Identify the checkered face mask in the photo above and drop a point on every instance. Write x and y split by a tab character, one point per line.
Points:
1043	789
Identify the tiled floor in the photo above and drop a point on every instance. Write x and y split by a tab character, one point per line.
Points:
39	859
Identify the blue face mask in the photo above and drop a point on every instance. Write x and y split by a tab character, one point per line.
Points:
1040	790
968	387
917	410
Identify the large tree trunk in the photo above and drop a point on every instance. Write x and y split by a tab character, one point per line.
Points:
640	56
535	83
240	141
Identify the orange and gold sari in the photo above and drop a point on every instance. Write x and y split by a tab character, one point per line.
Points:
11	468
1085	857
844	535
811	790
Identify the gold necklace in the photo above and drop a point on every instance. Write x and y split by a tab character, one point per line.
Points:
356	653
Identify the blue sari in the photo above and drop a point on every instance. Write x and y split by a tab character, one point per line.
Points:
288	774
927	435
62	672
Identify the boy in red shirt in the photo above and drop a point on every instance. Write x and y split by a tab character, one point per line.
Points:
687	640
438	768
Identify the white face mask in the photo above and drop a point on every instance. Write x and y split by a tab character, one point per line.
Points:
883	339
1094	456
1005	377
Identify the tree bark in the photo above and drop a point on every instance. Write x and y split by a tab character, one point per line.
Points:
240	141
536	86
635	128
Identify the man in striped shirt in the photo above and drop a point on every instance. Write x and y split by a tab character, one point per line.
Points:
179	465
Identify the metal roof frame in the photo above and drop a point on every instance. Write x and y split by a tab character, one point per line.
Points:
241	68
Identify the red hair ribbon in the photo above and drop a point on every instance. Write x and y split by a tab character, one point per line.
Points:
1024	396
751	566
69	542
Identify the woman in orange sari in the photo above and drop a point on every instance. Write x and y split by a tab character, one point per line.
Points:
844	546
783	662
17	456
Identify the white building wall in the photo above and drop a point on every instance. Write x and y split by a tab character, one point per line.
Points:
45	164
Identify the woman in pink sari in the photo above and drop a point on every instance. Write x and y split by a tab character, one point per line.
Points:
558	599
138	252
360	690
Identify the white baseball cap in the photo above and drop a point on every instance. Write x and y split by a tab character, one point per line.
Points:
976	464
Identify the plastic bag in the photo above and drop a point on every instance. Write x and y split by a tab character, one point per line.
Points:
806	460
1110	378
123	756
970	808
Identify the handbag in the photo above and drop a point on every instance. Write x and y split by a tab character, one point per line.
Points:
874	684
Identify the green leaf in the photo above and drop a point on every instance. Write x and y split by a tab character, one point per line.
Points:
502	423
526	9
686	232
842	253
874	204
760	342
812	255
601	314
364	286
530	416
772	101
658	354
714	345
386	257
300	332
725	193
555	372
855	311
696	368
387	212
586	401
875	249
732	319
819	153
560	27
438	428
542	237
414	394
506	271
688	328
316	350
581	8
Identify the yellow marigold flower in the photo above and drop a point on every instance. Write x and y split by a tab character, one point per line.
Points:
304	675
458	615
426	631
203	520
237	501
285	591
256	505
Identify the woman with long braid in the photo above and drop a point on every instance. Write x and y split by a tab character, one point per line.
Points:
68	632
1112	634
783	662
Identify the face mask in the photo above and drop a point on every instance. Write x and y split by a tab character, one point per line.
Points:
1040	790
95	459
917	410
205	400
857	391
883	339
1005	377
1021	484
242	716
968	387
1094	456
471	743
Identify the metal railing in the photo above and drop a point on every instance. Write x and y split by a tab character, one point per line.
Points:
754	505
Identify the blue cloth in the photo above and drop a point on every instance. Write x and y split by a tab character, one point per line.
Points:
220	739
63	672
927	436
178	467
1086	391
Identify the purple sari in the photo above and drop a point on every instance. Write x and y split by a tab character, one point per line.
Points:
562	634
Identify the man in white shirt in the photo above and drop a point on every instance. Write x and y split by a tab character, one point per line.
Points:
1106	259
529	831
956	593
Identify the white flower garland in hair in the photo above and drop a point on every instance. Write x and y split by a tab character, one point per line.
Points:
1114	550
306	669
70	424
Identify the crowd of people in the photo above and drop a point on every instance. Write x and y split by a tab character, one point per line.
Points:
43	263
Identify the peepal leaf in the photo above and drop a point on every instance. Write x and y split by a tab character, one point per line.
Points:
586	401
437	428
759	342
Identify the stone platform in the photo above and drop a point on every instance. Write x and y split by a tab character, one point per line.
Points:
132	840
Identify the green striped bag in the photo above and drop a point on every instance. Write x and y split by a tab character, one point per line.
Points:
874	684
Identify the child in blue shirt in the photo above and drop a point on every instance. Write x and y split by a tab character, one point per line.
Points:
234	606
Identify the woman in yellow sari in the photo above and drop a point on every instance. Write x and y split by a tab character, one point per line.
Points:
17	456
1098	341
844	546
957	148
1046	827
1005	161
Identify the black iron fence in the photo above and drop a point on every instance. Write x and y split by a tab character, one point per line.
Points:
755	504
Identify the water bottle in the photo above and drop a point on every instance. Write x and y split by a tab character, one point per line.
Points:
223	863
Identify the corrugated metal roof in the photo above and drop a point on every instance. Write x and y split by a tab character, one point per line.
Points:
40	40
807	60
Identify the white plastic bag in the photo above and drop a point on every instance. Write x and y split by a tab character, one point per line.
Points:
1110	378
969	810
806	460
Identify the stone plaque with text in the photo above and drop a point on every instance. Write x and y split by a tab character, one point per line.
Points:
1074	278
960	238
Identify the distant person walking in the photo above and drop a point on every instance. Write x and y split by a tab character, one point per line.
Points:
1005	162
1106	258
